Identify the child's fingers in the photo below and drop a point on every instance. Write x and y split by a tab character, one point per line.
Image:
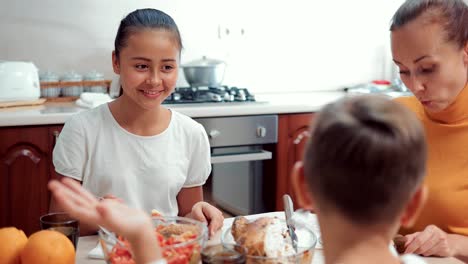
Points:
215	217
79	190
105	213
63	194
66	201
110	209
197	213
72	203
215	224
53	185
76	195
113	197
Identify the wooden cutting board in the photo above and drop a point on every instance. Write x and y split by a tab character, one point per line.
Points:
22	103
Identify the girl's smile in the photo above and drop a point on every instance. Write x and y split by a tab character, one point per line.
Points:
152	94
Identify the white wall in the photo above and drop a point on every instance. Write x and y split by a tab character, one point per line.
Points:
295	45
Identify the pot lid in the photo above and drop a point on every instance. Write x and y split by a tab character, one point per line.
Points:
204	62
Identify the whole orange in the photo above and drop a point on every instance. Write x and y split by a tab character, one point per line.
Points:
12	243
49	247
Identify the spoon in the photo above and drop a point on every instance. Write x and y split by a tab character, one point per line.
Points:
288	211
112	236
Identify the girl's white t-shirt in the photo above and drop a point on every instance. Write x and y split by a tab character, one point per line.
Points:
147	172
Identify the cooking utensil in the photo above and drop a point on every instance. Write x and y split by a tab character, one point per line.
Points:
204	72
288	211
111	236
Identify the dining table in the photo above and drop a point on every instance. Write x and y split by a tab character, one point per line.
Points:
86	244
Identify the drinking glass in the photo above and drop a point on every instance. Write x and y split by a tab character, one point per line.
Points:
223	253
62	223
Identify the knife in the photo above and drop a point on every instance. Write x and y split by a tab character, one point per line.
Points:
288	211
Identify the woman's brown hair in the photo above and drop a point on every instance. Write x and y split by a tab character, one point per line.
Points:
451	14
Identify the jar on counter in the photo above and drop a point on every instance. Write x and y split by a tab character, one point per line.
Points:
72	90
95	76
49	76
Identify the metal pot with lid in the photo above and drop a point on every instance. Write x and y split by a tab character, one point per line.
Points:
204	72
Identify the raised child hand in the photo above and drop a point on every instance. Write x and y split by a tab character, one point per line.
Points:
133	224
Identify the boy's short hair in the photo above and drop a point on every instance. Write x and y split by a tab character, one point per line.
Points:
365	158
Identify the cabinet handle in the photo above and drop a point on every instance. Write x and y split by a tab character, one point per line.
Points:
301	136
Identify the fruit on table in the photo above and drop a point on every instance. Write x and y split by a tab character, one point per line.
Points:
50	247
13	242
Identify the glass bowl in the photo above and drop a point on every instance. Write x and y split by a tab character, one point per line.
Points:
175	250
307	240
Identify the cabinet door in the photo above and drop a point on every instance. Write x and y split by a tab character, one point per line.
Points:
299	126
24	173
293	133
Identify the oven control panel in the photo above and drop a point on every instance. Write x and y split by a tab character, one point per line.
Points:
241	130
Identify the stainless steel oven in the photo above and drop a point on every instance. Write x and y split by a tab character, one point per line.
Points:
238	151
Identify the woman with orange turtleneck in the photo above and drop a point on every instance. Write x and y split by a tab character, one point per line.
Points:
430	46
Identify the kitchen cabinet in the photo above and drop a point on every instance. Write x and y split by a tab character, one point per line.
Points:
25	169
293	133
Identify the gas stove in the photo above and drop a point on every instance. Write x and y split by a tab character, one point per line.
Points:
222	94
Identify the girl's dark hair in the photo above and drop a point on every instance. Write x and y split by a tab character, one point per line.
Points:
142	19
451	14
366	157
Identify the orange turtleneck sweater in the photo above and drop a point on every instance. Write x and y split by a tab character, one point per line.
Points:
447	165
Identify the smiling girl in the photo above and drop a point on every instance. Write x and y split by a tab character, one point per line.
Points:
134	148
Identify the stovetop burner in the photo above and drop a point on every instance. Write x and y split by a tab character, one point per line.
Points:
222	94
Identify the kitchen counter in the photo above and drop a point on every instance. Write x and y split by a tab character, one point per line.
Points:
278	103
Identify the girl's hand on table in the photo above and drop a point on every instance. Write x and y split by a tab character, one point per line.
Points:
205	212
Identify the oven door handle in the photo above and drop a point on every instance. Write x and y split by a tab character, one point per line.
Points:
263	155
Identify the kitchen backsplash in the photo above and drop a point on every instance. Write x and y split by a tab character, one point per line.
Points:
269	45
